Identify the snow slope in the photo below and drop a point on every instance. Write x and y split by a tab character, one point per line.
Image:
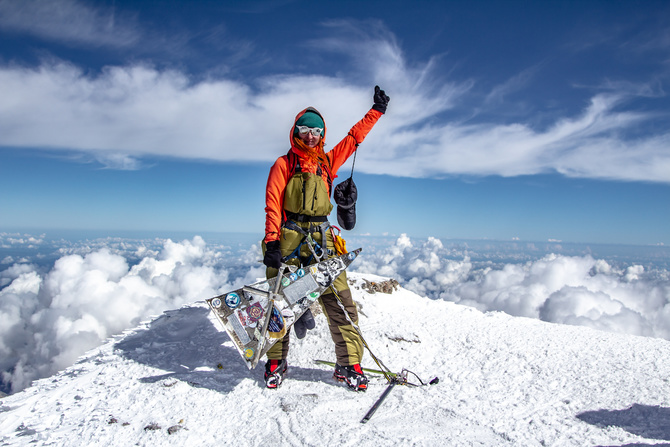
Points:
177	380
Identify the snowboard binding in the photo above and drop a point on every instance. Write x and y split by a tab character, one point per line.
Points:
353	376
274	373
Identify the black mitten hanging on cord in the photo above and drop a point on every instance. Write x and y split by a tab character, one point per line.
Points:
345	196
346	193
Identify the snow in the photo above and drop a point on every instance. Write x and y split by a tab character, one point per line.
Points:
177	380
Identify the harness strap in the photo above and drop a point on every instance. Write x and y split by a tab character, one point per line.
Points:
303	218
306	238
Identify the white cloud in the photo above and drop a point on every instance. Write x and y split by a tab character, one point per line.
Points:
68	21
577	290
516	83
47	321
580	306
127	112
122	162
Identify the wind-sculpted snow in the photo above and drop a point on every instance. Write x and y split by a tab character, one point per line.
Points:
51	314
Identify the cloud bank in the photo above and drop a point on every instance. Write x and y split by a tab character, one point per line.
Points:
50	317
577	290
47	321
124	113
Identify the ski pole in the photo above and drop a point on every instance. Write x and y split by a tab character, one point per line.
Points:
384	369
376	405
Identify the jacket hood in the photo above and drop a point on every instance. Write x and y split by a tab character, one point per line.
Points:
297	117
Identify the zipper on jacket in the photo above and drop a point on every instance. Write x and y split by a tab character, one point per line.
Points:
314	197
319	172
304	193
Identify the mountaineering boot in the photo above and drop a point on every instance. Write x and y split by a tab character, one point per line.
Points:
306	321
353	375
274	372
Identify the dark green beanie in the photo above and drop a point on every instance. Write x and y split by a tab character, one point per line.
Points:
310	119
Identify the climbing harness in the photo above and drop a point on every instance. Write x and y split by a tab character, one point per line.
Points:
319	251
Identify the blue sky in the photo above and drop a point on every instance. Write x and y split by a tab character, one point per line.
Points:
528	120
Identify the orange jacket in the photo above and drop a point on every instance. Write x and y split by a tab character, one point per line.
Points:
279	175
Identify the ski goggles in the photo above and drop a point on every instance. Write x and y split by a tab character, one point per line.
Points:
315	131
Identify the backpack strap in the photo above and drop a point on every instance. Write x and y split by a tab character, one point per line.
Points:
329	176
293	163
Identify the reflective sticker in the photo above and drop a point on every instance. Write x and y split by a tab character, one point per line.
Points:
300	289
276	321
293	277
285	281
277	325
323	278
289	316
232	300
263	285
244	318
300	273
239	330
255	312
216	302
249	353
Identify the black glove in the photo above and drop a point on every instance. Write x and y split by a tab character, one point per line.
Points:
306	321
381	100
272	256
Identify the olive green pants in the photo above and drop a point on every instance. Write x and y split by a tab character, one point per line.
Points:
348	343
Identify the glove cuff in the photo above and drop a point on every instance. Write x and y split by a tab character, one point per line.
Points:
379	108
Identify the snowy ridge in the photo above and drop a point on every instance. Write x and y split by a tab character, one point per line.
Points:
176	380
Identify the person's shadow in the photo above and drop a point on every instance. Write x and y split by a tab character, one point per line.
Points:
651	422
188	347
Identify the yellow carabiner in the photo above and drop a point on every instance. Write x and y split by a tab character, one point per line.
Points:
338	241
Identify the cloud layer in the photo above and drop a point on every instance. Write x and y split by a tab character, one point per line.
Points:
50	317
124	113
577	290
48	320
